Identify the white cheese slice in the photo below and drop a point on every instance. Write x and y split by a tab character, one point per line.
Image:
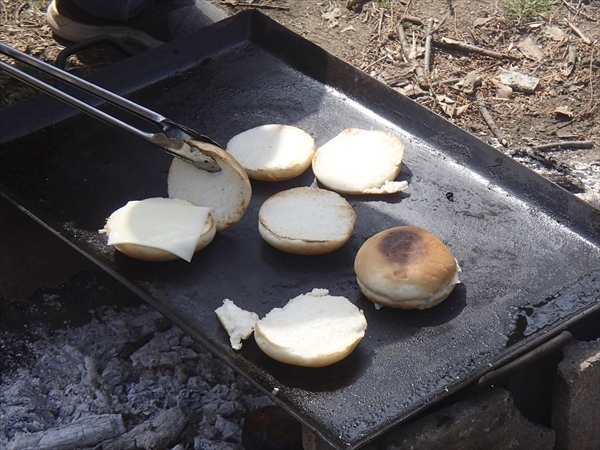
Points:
169	226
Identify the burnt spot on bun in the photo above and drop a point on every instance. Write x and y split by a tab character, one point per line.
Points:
402	246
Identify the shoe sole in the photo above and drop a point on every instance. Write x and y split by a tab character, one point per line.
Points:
76	32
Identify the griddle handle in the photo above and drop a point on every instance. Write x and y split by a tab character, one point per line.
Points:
534	355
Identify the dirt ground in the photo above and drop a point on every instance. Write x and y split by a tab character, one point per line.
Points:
448	55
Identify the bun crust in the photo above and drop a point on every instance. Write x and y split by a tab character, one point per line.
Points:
306	221
406	267
227	193
311	330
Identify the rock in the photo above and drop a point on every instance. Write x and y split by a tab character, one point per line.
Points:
576	397
519	82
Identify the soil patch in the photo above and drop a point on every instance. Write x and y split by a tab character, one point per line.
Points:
447	56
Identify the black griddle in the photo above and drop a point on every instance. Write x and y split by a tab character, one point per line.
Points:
529	250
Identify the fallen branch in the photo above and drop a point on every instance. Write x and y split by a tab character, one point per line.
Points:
254	5
563	145
578	32
490	120
453	44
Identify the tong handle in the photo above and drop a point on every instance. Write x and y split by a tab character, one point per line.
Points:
171	140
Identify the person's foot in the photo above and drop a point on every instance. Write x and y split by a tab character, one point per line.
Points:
161	21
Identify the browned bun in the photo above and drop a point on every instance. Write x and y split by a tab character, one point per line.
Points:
406	267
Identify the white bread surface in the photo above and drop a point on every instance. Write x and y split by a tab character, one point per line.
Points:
238	322
306	221
150	240
227	192
311	330
273	152
406	267
360	162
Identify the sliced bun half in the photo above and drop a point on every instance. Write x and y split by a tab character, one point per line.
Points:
227	193
406	267
306	221
360	162
311	330
273	152
160	229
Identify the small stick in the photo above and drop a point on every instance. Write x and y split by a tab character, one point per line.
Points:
571	60
411	19
563	145
451	43
578	12
578	32
403	43
258	5
490	120
427	62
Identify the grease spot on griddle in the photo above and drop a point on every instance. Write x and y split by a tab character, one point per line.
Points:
535	316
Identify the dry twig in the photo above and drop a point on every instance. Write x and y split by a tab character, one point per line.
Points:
563	145
254	5
489	120
578	11
578	32
427	62
453	44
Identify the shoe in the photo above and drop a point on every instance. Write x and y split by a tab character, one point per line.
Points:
160	21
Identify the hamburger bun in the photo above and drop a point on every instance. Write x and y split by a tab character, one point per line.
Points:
360	162
150	241
238	322
273	152
406	267
306	221
227	193
311	330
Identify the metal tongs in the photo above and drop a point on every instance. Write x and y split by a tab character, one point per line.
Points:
171	139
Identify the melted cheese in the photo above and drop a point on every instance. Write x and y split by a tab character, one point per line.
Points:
170	226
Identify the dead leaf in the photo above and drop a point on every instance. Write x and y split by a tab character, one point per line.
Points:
332	15
481	21
530	49
412	90
503	91
471	81
554	33
444	99
461	109
564	111
448	109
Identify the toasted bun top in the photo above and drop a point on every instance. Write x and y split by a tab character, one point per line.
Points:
273	152
306	221
312	330
406	267
360	162
227	193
